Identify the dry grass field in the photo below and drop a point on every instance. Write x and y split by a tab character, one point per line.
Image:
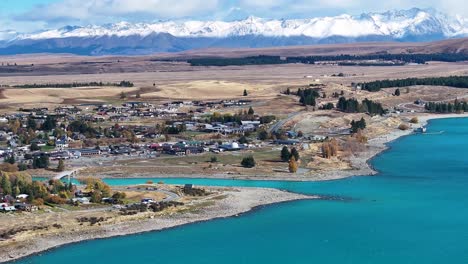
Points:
164	81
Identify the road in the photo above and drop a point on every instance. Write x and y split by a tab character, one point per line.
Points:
405	107
170	196
278	125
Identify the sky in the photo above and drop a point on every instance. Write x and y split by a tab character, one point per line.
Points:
34	15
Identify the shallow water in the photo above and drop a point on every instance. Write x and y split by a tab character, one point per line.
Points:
414	211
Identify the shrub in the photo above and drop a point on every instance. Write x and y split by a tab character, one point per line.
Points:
403	127
214	159
248	162
414	120
55	199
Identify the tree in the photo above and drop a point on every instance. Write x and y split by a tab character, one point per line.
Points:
295	154
123	95
288	91
49	124
138	94
243	140
119	196
248	162
263	135
61	165
34	147
358	125
31	123
10	159
251	111
22	167
41	162
285	154
245	92
96	197
397	92
292	165
5	184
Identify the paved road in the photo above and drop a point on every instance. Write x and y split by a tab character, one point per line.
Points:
404	106
278	125
170	196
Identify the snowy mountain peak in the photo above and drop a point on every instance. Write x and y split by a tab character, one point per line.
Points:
171	36
393	24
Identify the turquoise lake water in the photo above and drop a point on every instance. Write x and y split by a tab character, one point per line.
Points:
414	211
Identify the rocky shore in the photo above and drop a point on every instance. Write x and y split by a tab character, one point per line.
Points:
235	201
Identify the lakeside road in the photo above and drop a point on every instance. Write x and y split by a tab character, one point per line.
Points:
234	201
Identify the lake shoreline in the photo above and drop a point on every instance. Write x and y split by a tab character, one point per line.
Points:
360	163
238	201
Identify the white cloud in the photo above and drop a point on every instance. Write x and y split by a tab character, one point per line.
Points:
95	9
105	11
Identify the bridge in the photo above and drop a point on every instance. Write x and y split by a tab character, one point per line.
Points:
68	173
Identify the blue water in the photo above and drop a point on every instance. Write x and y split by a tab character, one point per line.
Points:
414	211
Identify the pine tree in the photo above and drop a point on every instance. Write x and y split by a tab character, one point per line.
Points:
285	154
245	92
295	154
251	111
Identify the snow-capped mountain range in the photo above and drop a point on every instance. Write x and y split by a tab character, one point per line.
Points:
137	38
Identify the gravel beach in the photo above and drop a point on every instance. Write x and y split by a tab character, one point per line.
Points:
237	201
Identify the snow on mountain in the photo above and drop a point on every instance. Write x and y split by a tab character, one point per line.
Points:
395	24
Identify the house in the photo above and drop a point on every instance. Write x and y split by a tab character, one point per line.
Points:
22	196
6	207
286	142
25	207
81	200
62	142
85	152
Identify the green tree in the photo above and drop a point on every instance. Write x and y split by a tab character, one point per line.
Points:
31	123
245	92
397	92
41	162
295	154
49	124
5	184
243	140
251	111
285	154
263	135
22	167
34	147
123	95
248	162
11	159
